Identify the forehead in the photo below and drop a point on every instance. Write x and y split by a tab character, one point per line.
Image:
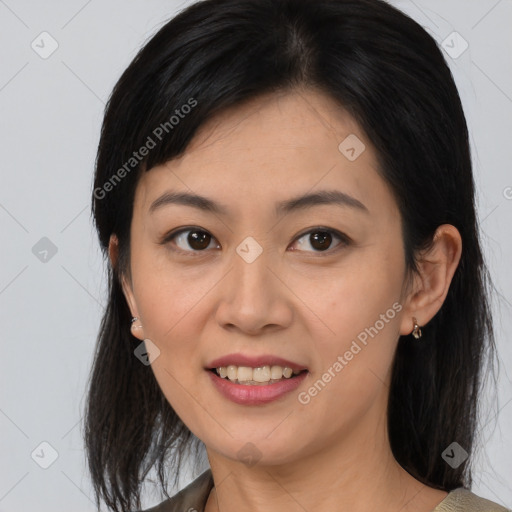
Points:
286	121
272	147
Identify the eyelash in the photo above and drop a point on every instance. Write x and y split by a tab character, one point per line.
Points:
344	239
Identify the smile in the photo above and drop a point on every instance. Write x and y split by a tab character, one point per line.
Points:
262	375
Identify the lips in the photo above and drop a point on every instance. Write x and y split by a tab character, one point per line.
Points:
251	392
256	395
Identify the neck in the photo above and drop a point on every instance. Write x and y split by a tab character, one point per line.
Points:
358	474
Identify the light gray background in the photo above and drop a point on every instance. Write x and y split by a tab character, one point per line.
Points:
51	110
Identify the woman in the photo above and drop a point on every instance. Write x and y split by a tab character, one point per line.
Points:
284	191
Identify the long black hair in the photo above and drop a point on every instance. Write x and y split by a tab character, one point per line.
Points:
391	76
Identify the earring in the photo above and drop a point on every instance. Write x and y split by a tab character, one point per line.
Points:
134	319
416	332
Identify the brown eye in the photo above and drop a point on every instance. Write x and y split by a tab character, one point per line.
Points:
191	240
320	240
198	240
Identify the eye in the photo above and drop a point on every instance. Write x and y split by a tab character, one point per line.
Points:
190	239
194	240
321	239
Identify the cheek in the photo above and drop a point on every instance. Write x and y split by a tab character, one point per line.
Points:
170	310
168	295
172	304
357	296
360	321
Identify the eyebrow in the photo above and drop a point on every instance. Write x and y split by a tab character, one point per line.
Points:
302	202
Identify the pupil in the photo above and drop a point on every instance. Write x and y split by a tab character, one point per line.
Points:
321	240
198	239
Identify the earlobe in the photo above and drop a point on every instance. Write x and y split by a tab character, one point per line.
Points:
136	328
113	251
135	324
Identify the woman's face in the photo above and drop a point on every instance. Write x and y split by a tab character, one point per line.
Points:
255	276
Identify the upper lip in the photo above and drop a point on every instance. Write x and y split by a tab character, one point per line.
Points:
254	362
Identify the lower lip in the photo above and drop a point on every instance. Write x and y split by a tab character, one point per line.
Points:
246	394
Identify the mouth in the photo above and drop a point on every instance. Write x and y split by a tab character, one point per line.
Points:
258	376
259	372
255	381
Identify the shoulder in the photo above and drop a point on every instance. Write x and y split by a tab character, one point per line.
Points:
463	500
190	499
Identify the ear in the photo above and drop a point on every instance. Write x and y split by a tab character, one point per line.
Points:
430	286
113	252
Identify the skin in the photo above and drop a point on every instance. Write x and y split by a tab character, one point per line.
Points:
293	301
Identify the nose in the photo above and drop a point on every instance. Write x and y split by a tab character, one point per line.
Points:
254	298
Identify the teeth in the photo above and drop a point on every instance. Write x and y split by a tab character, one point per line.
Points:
276	372
248	375
259	374
287	372
244	373
232	372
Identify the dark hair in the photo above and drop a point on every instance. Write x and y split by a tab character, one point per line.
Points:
390	75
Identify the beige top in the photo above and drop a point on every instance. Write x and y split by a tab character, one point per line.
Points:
193	499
